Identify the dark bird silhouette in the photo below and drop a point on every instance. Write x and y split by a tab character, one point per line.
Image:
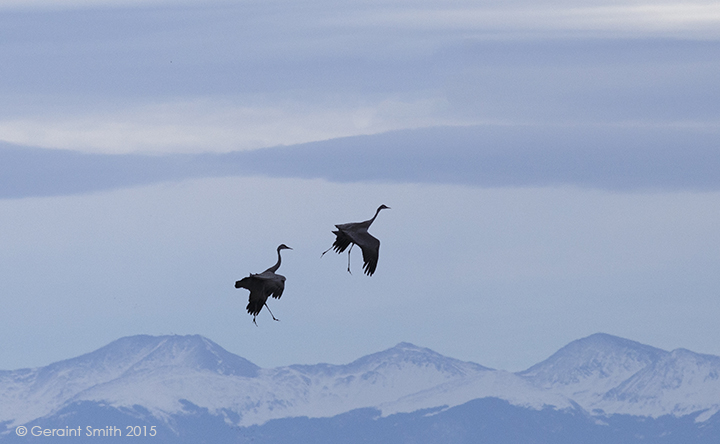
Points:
263	285
356	233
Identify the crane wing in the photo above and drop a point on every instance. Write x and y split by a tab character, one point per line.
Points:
275	286
370	246
342	240
257	297
261	286
272	284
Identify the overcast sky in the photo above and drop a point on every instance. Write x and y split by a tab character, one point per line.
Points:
551	168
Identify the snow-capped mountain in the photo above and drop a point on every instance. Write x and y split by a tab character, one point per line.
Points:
605	374
679	383
162	373
601	375
30	393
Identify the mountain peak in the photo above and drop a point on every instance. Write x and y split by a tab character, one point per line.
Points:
598	356
603	340
405	353
408	346
197	352
144	352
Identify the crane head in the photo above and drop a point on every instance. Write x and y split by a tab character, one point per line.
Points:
283	247
383	207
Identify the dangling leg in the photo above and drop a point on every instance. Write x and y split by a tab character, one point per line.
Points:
323	253
254	321
273	316
351	245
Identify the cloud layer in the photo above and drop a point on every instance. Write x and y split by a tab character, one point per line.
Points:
233	76
615	158
630	158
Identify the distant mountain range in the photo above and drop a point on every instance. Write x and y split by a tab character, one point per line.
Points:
599	389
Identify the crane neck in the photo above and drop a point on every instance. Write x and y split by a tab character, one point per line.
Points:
275	267
373	218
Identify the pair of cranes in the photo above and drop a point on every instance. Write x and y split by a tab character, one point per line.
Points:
268	283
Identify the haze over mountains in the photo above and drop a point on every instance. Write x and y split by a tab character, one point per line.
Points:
162	380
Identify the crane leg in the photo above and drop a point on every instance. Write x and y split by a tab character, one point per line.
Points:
273	316
254	321
351	245
323	253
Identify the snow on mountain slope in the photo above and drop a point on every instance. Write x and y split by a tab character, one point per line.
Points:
194	352
375	379
30	393
298	390
591	365
602	374
607	374
496	384
679	383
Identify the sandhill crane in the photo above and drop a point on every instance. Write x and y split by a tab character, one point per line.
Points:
264	285
356	233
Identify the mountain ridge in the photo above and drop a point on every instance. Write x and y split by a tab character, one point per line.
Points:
600	374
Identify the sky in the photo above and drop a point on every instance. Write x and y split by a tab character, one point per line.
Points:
551	169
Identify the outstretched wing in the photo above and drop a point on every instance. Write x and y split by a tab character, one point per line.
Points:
370	249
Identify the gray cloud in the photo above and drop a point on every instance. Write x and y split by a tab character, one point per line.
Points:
26	172
605	157
102	56
630	158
